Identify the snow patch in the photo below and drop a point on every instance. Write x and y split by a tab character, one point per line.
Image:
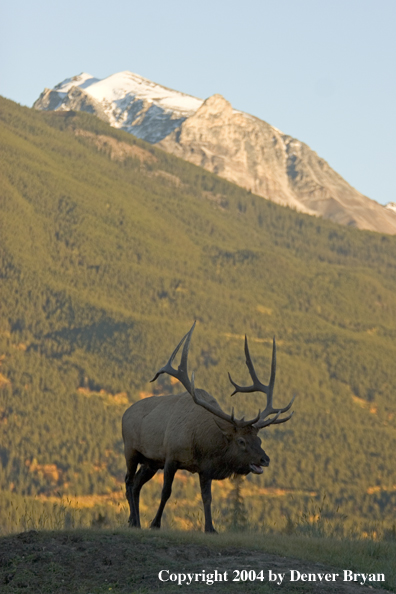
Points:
125	85
82	80
391	206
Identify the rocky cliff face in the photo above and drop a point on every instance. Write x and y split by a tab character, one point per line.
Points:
238	147
257	156
230	143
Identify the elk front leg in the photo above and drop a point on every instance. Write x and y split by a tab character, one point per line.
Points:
169	474
206	493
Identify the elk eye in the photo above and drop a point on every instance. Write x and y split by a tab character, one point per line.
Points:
241	442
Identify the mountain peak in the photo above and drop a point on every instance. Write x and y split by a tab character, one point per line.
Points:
215	106
234	145
217	101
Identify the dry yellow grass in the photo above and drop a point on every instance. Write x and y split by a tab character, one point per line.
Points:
118	150
4	380
364	404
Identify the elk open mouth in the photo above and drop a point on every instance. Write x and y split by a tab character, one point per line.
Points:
256	469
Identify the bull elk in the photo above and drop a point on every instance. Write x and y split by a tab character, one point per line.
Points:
190	431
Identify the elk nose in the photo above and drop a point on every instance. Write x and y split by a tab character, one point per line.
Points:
265	460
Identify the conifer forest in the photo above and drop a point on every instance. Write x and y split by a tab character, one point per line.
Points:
109	250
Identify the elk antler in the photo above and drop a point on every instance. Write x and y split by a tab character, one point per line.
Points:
218	412
181	374
257	386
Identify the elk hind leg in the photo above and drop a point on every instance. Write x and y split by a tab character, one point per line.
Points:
169	474
144	474
132	463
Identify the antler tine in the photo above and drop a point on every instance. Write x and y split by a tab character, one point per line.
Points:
181	372
284	419
218	411
257	386
269	410
182	369
273	420
273	374
253	374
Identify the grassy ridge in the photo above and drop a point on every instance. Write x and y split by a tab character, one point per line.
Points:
104	265
130	561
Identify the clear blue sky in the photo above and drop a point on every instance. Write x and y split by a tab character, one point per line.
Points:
322	71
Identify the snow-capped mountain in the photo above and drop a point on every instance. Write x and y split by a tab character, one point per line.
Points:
125	100
230	143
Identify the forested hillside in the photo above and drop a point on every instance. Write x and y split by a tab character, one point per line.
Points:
109	249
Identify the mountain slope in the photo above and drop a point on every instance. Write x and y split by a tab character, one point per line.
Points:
230	143
109	249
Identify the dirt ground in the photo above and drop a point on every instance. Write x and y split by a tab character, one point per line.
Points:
97	562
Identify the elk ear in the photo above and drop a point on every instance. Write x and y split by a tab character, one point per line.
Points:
227	429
